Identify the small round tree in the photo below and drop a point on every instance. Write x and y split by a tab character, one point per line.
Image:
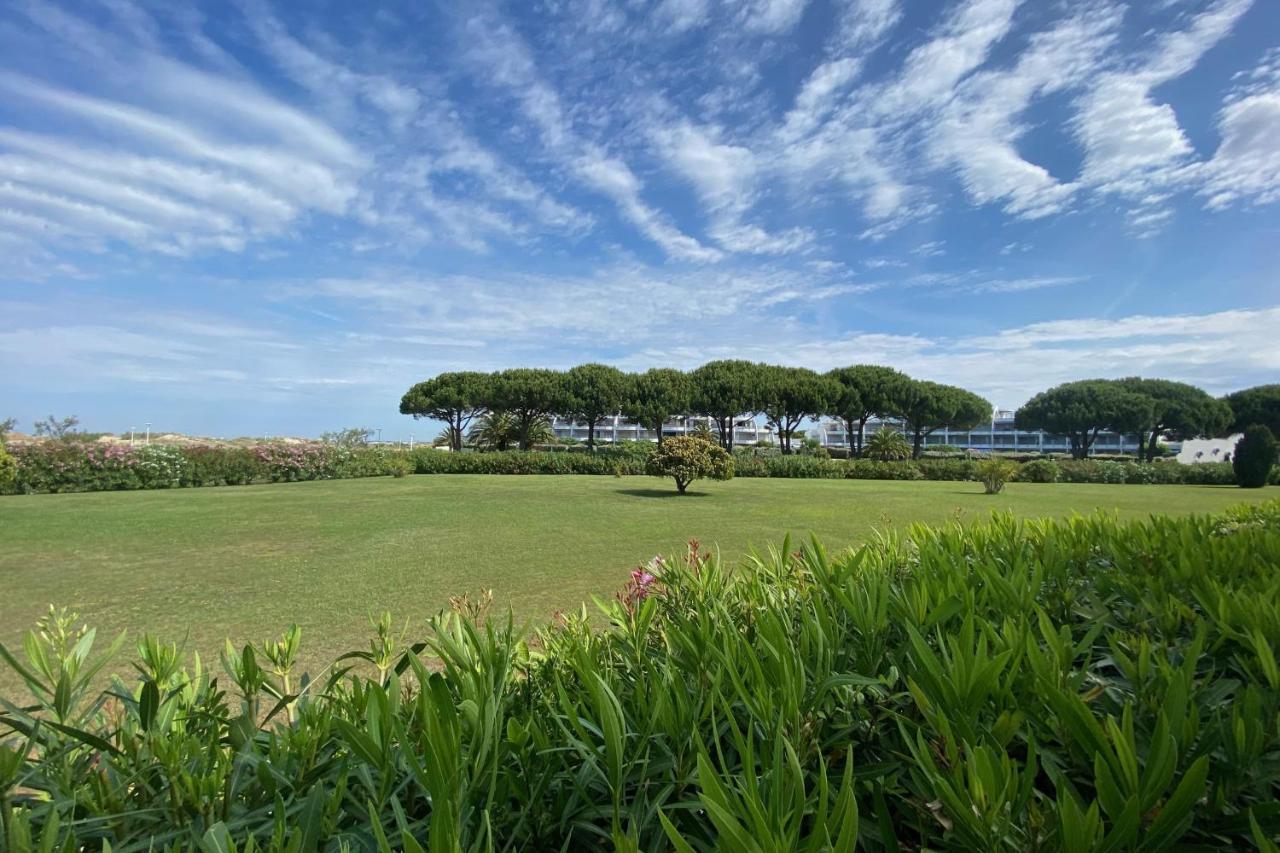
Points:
686	458
1254	455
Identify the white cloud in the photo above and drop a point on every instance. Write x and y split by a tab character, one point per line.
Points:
500	57
173	180
977	133
613	178
1246	166
682	15
772	16
725	178
1134	147
1219	352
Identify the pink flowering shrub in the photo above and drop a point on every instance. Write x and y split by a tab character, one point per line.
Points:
71	466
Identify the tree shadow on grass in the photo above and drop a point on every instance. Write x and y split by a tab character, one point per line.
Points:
661	493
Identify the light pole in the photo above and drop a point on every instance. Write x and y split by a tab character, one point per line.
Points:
148	441
131	438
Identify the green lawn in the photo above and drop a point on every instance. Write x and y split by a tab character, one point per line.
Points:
246	561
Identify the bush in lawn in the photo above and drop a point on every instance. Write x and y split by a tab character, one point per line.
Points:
1254	455
1030	681
995	472
686	458
1039	471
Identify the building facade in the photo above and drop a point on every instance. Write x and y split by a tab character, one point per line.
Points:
998	435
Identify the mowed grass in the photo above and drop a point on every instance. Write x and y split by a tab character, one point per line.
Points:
244	562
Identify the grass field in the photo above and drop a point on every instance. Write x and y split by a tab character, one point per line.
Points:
244	562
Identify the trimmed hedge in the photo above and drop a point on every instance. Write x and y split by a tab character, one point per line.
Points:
1052	686
87	467
751	464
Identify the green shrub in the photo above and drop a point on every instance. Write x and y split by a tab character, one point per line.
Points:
873	469
8	467
687	458
948	469
1092	471
1207	474
1003	686
1039	471
399	465
808	467
1254	456
995	473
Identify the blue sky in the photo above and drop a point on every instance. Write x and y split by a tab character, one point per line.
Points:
271	218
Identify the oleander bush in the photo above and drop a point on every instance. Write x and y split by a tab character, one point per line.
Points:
526	462
78	466
8	466
1054	685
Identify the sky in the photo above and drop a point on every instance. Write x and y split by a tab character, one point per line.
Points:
269	218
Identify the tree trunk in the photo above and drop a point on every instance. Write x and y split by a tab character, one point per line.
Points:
591	436
1142	445
658	430
681	485
525	423
862	433
916	440
1151	445
849	438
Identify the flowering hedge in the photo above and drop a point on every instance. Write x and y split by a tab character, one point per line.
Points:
69	466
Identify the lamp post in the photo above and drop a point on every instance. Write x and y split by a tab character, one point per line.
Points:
131	438
148	439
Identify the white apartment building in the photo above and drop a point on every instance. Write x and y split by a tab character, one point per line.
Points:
998	435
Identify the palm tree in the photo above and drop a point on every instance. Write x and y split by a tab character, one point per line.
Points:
887	445
499	431
494	431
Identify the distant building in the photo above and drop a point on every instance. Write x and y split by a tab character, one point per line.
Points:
1208	449
998	435
617	428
